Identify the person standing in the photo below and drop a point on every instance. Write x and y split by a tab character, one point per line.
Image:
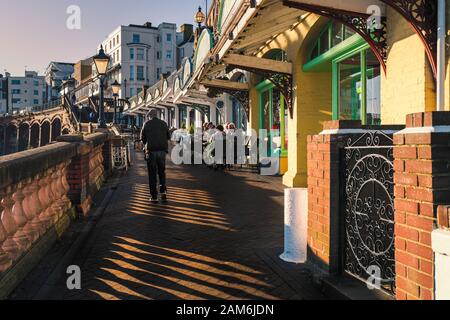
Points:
155	135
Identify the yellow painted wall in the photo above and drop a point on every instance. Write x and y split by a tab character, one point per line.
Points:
447	74
311	95
408	86
254	104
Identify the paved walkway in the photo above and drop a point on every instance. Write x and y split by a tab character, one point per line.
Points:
216	239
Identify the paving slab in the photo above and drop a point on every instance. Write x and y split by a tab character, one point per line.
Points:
211	241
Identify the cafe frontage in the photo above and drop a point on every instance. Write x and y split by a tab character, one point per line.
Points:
355	99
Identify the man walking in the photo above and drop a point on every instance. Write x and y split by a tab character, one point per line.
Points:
155	136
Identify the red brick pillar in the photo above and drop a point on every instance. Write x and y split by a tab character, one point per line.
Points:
78	178
422	184
324	194
107	157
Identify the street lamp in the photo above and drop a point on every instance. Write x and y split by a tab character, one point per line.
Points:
101	61
115	89
200	17
80	112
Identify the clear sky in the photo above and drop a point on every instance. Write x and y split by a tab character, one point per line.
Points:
34	32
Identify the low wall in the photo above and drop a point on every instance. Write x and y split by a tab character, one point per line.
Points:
408	205
41	191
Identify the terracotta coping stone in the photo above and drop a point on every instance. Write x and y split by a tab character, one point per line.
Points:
356	124
71	138
342	124
98	138
444	217
27	164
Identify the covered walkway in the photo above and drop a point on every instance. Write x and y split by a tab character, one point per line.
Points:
216	239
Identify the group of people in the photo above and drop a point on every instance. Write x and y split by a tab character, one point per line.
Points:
212	132
216	136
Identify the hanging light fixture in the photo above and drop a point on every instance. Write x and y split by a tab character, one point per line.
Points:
101	61
200	17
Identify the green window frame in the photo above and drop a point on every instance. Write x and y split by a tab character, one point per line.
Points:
332	58
336	74
262	88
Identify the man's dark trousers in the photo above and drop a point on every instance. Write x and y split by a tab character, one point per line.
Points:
156	164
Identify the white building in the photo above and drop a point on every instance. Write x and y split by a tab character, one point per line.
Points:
22	93
141	53
55	74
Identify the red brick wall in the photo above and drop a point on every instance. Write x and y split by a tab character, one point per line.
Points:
78	178
324	194
422	183
318	197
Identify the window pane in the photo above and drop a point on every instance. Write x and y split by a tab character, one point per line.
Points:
140	73
286	126
131	72
324	42
348	32
315	52
266	110
350	88
337	35
140	54
373	76
276	124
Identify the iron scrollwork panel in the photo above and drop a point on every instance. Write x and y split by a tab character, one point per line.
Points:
422	15
360	23
120	157
240	95
369	250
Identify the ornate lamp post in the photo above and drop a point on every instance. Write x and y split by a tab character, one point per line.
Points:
200	17
115	89
101	61
80	112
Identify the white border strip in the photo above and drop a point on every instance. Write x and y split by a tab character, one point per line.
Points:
353	131
435	129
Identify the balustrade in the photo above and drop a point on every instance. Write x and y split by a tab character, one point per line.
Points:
36	194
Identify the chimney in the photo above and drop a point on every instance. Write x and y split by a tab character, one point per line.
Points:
188	31
148	24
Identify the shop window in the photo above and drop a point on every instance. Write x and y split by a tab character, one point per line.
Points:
350	88
358	88
274	116
334	34
355	71
373	88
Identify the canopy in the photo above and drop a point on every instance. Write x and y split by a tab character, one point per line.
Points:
355	6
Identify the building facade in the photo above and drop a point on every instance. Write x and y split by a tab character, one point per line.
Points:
365	104
357	107
22	93
55	74
141	53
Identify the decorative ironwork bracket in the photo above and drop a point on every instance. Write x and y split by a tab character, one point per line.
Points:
422	15
240	95
376	38
283	82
